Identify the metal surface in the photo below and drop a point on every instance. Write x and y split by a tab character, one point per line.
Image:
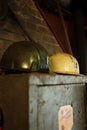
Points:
50	101
32	101
24	56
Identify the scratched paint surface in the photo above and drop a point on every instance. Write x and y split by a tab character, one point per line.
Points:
49	101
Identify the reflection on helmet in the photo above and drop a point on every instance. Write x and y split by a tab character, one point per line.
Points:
63	63
25	56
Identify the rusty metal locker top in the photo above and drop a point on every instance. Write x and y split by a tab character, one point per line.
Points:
41	78
57	79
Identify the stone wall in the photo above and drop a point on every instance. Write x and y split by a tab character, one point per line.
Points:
34	24
10	32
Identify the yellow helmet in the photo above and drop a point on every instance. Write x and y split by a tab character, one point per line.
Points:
63	63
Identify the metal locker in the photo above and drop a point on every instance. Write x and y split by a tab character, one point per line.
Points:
38	101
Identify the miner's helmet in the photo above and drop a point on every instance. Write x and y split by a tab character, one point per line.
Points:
25	56
64	63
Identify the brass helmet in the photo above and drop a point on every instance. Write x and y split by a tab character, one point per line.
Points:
24	56
63	63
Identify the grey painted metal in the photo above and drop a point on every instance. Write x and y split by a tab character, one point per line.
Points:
50	100
44	79
32	101
52	92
